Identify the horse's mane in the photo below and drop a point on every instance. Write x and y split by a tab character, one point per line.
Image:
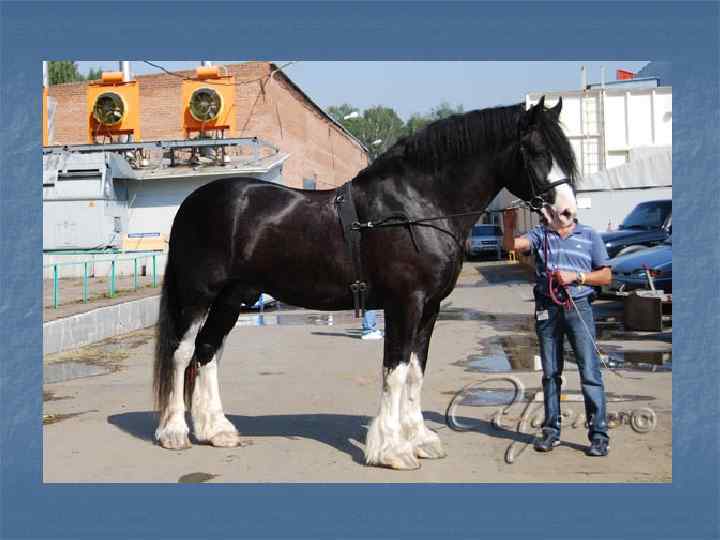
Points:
456	137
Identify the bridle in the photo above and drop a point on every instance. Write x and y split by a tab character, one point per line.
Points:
536	202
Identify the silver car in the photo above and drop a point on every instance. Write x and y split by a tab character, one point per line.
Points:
485	239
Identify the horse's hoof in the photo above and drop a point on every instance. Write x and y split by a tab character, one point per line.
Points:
432	449
175	441
226	439
402	462
399	460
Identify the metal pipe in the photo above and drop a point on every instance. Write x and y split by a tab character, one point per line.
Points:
125	68
56	292
85	282
46	74
602	76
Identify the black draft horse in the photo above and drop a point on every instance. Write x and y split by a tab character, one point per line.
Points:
235	237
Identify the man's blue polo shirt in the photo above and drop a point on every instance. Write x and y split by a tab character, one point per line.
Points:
582	251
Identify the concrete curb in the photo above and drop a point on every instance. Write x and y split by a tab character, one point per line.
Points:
85	328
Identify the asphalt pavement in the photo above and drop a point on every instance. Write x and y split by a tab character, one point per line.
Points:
301	386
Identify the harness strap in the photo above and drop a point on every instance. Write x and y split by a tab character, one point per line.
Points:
345	207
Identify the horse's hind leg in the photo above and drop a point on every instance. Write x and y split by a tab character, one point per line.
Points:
425	442
172	433
209	421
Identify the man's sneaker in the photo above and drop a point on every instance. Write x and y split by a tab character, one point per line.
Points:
375	334
598	448
546	443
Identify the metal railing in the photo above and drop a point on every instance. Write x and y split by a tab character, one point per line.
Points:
102	277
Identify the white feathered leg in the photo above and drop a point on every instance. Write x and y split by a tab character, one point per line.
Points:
385	443
425	442
172	433
209	421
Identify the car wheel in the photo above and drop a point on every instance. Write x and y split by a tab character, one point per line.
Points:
630	249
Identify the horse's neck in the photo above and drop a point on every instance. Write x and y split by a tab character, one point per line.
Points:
471	192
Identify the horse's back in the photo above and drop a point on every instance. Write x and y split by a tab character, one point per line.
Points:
258	233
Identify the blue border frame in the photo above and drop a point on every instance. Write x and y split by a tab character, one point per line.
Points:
684	33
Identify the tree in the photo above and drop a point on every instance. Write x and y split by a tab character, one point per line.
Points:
62	71
380	129
418	121
94	74
377	127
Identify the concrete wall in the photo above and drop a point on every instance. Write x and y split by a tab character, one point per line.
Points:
269	106
85	328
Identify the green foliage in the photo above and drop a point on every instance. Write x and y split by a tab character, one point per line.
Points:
94	74
62	71
378	128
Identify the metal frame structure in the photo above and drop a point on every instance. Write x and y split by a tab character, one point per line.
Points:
253	142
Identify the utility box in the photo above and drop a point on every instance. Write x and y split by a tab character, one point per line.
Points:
113	109
647	311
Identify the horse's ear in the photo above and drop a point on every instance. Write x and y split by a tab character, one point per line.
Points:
555	111
530	117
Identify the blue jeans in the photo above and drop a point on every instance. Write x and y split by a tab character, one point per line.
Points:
369	321
551	332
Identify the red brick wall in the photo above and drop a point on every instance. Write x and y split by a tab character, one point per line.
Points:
270	108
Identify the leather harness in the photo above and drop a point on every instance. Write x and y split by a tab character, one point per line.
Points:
345	207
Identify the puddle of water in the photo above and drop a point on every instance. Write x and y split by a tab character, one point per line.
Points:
500	397
66	371
196	478
292	319
641	360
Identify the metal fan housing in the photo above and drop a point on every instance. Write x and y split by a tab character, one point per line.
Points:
109	109
205	104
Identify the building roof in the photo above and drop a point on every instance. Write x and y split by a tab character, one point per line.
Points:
276	69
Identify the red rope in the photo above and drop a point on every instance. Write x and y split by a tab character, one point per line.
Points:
558	292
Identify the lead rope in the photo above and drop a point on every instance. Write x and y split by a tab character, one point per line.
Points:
561	296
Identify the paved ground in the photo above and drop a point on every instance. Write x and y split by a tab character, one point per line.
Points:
301	387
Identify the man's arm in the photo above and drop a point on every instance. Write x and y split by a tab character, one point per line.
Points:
510	243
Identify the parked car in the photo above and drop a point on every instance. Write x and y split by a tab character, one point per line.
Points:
629	272
649	224
485	239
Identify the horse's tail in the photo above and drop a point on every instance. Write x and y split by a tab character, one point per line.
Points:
167	340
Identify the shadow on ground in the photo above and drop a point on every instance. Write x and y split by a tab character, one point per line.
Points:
344	432
340	431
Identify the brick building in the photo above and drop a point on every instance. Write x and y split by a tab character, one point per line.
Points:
268	106
99	199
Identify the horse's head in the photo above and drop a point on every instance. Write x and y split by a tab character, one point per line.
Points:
543	159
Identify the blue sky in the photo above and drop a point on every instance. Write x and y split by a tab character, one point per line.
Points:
410	87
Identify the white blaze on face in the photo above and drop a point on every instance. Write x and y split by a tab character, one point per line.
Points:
564	201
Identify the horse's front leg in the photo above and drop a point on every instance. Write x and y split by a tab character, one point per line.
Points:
425	442
386	444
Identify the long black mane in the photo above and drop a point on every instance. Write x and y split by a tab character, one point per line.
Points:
457	137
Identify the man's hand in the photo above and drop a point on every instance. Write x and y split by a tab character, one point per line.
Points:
567	278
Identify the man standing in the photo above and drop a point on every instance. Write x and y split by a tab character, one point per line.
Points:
571	256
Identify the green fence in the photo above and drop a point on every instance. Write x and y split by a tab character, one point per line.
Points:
85	280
